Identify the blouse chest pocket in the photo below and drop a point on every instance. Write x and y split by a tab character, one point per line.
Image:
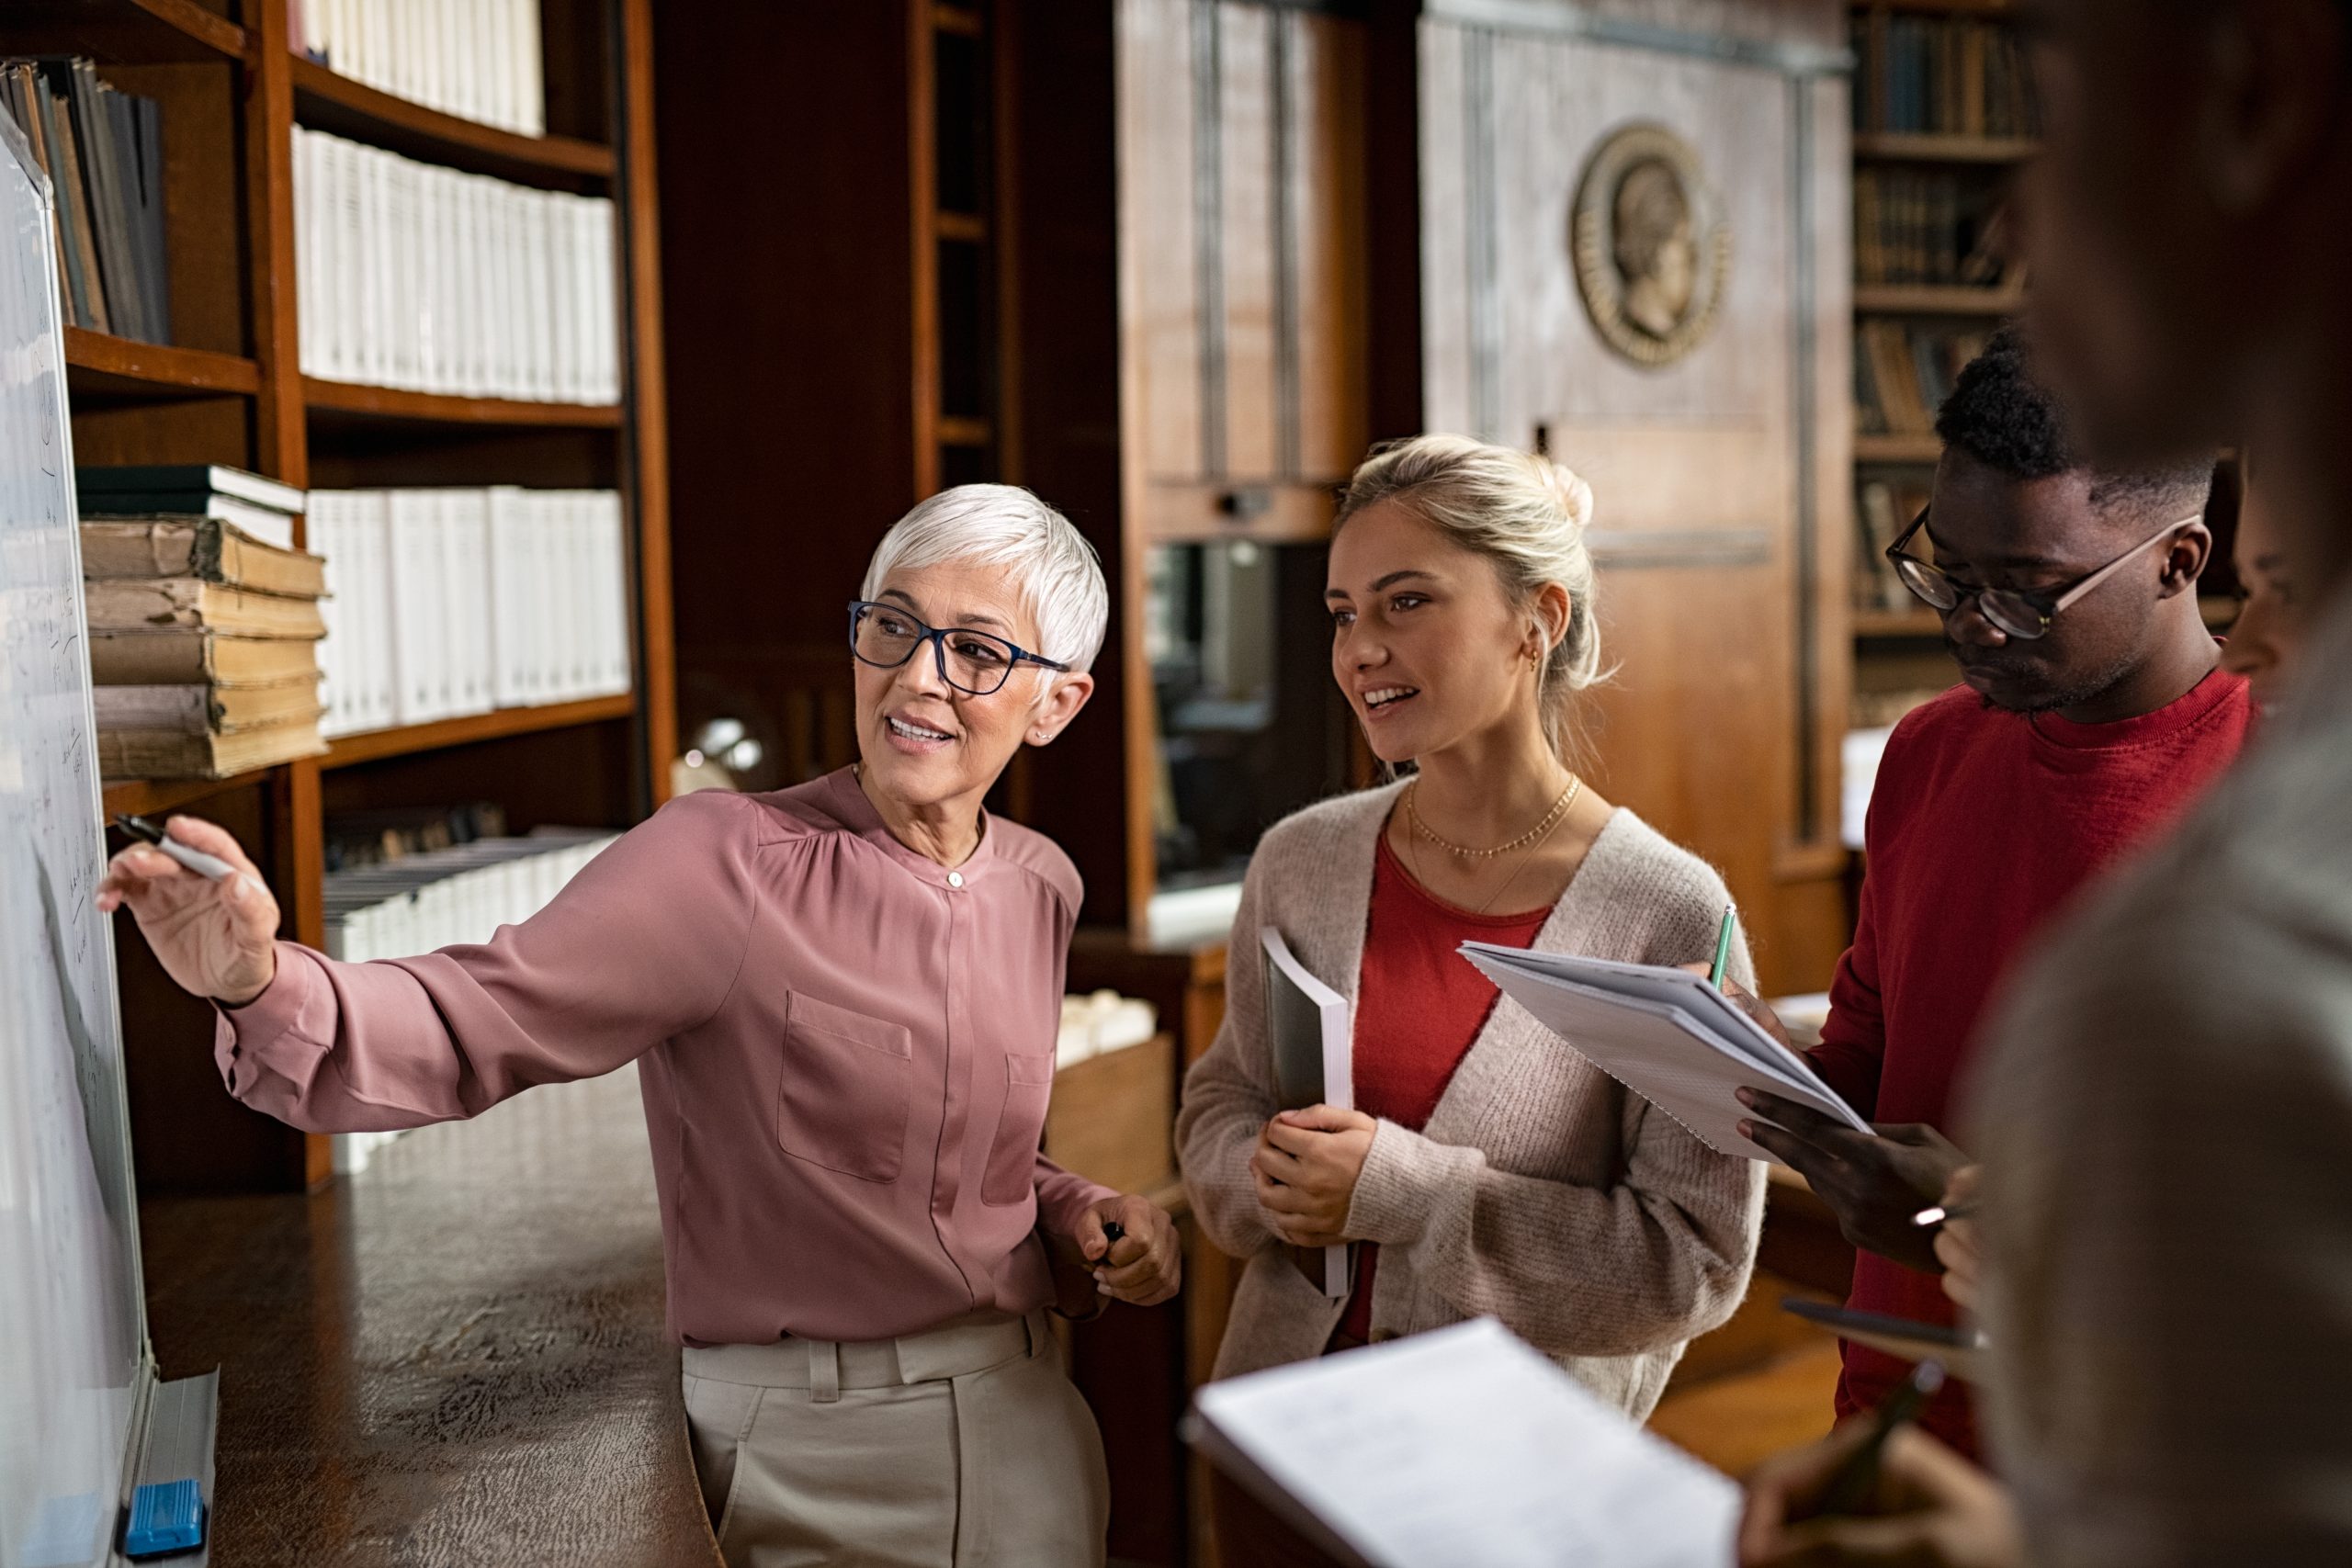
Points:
1012	1156
847	1084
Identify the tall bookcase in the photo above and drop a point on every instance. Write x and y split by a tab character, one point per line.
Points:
1898	650
232	390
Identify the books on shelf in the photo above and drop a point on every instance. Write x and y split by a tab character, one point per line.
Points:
1933	225
204	647
1902	373
103	150
454	602
205	549
1942	75
433	280
263	508
442	898
477	59
175	657
1882	509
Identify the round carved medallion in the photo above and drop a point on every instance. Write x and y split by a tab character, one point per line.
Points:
1649	244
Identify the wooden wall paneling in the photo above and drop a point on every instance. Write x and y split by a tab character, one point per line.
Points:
646	433
923	202
1395	227
1076	402
1005	89
785	315
1325	168
1161	273
1246	193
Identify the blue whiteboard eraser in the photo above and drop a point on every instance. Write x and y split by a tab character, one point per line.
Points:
166	1517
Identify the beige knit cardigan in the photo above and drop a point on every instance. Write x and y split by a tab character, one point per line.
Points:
1542	1191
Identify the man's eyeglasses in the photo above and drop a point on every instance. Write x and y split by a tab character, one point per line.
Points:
2017	611
887	637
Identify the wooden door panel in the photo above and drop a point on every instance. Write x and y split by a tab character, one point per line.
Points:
1158	282
1245	192
1326	167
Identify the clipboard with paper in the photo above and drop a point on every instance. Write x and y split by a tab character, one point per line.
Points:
1665	1033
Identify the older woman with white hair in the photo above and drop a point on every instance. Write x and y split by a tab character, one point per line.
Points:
842	998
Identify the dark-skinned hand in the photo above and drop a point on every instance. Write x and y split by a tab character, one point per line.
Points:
1873	1185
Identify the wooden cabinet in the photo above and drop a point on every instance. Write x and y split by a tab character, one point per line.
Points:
1241	270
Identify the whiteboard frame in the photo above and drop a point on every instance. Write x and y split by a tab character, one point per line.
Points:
143	1370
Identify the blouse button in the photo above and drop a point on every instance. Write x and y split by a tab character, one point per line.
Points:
955	879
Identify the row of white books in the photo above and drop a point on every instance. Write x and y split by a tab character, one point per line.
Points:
409	275
478	58
441	898
444	602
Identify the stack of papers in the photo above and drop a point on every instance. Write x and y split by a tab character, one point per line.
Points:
1463	1449
1664	1034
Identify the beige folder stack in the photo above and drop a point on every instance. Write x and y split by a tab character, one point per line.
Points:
203	648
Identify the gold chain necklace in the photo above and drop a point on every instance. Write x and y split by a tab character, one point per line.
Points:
1542	832
1559	809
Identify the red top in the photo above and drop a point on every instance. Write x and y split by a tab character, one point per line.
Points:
1420	1006
1982	823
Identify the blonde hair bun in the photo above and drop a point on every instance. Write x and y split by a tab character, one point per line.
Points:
1567	488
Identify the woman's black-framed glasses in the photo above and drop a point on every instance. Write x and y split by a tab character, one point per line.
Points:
980	663
2017	611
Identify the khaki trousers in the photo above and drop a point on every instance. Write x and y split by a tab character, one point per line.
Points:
966	1446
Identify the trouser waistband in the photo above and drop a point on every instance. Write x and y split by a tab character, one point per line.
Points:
825	1366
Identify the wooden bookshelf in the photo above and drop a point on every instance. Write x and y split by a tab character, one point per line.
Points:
99	365
1919	147
375	745
1933	299
152	798
398	404
328	102
125	32
233	393
1902	450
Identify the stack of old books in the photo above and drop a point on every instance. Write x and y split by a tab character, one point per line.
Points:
203	644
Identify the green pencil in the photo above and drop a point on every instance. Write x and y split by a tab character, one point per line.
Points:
1722	951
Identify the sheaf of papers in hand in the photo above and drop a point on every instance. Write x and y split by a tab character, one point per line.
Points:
1463	1448
1664	1034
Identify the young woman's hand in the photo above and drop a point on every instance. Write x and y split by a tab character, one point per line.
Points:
1145	1266
1305	1168
216	939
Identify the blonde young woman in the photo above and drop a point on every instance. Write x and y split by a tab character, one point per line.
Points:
1489	1168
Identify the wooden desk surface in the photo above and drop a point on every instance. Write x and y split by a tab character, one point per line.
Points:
454	1357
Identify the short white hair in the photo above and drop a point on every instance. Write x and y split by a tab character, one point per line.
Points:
1055	570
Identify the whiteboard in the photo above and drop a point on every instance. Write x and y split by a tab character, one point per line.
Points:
73	1362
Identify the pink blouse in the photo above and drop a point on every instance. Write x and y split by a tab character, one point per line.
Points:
845	1050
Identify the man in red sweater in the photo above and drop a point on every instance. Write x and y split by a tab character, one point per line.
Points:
1999	799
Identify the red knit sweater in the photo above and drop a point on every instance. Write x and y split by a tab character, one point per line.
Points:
1982	823
1420	1006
